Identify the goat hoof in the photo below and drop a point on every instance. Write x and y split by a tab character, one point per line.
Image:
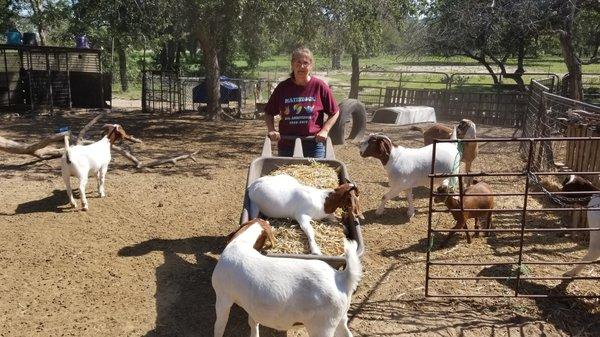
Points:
410	214
84	208
379	212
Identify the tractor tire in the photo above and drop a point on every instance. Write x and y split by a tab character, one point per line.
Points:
350	109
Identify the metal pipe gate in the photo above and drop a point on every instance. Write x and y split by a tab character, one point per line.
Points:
519	263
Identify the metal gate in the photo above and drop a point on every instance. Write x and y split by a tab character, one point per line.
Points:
511	269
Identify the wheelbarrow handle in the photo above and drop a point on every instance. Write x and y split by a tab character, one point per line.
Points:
294	137
266	152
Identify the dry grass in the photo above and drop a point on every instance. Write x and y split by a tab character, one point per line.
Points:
315	174
290	239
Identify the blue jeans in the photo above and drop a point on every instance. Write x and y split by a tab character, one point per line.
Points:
310	148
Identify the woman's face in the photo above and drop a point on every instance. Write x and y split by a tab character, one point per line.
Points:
302	66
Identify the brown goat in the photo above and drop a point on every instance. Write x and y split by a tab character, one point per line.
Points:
464	130
469	202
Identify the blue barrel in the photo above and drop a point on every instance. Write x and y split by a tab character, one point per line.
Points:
13	37
81	41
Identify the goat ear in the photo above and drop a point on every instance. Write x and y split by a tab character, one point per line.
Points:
232	235
332	201
266	235
355	204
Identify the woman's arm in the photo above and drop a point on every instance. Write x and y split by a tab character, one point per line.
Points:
270	120
321	136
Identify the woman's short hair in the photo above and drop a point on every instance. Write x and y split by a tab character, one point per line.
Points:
298	52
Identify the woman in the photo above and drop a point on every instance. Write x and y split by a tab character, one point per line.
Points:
302	101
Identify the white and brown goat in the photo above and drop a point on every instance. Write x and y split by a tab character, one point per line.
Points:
409	167
575	183
466	129
475	202
282	196
79	160
281	293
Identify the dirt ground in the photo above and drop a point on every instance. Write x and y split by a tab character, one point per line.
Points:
139	262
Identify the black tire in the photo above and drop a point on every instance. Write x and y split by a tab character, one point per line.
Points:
350	109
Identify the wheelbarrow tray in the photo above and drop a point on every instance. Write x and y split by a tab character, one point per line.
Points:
266	164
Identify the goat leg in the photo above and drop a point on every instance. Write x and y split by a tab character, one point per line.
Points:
222	308
254	331
488	224
467	233
459	225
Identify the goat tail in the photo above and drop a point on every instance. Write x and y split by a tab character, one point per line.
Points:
353	272
417	128
67	147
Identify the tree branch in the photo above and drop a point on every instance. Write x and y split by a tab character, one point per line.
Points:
89	125
170	160
14	147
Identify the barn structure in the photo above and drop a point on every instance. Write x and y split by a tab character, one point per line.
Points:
40	77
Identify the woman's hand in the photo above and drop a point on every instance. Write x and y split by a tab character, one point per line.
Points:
274	136
322	136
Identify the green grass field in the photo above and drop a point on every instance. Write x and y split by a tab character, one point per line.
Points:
433	72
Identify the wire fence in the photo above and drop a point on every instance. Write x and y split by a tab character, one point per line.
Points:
550	115
170	92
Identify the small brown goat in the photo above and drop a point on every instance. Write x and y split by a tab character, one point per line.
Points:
466	129
469	202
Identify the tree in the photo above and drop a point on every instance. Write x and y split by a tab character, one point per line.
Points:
487	31
570	17
359	24
210	21
46	15
8	14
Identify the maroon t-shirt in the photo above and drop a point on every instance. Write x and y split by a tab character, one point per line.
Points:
302	108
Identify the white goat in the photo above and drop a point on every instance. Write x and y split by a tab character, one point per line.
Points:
282	196
579	184
282	292
79	160
408	167
466	129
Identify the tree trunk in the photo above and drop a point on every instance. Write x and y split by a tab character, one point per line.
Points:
169	56
355	77
336	60
211	63
565	36
574	80
517	76
122	67
37	8
487	66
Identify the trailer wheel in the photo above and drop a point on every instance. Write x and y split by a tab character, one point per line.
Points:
350	110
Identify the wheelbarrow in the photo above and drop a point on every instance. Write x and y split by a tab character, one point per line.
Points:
267	162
